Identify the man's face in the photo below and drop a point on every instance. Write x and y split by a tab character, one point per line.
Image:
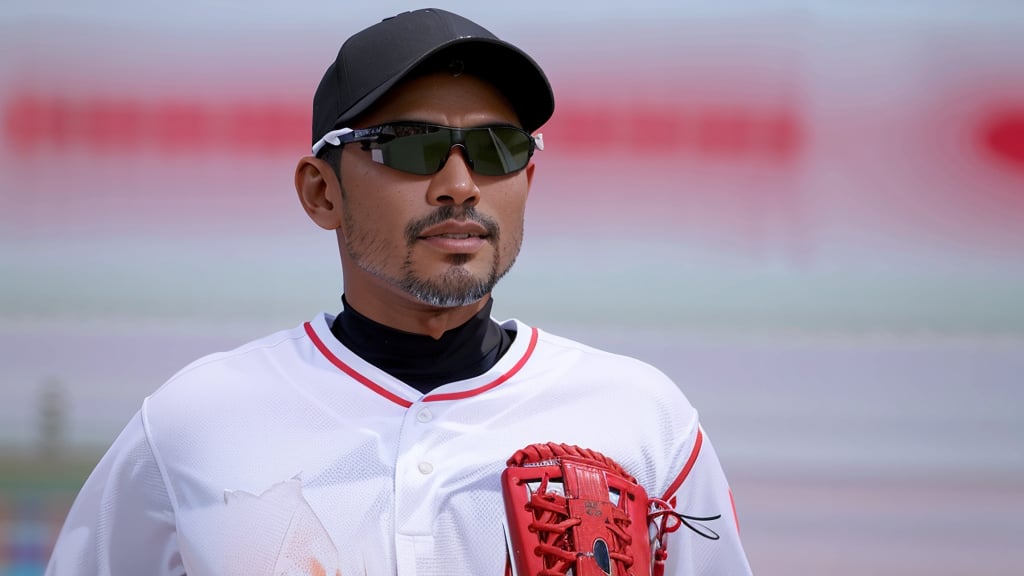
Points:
445	239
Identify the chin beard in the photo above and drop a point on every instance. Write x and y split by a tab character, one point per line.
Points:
457	287
454	287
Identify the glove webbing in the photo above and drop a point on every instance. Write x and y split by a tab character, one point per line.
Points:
536	453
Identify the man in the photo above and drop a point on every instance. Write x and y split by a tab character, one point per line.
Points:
375	442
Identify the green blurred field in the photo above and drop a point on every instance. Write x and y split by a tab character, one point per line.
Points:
35	493
19	472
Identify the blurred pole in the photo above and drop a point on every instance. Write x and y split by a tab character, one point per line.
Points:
52	420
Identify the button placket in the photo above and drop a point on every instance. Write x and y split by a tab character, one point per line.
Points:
415	501
423	416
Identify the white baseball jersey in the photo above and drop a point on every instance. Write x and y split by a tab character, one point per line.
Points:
291	455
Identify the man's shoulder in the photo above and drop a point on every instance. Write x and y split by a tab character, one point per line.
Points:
243	384
592	361
250	366
590	351
245	355
551	340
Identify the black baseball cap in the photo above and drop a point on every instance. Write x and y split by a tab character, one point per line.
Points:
373	61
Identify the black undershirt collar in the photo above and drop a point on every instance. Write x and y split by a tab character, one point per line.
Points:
418	360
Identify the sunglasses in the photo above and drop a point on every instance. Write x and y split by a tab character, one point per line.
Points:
424	148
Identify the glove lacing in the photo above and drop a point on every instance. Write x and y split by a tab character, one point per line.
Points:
551	520
664	519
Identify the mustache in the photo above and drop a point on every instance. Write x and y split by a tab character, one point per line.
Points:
414	229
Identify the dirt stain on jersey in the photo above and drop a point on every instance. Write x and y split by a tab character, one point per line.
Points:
306	549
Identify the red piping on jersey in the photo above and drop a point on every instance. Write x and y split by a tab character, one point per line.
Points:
438	397
734	516
496	382
351	371
686	469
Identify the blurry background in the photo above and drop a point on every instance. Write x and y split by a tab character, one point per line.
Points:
809	214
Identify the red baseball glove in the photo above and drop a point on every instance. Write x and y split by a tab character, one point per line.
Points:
574	511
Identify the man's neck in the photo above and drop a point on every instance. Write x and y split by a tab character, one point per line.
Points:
421	361
411	316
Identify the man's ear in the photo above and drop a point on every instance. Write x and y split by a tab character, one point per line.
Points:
319	192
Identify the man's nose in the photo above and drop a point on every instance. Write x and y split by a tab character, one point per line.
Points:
454	183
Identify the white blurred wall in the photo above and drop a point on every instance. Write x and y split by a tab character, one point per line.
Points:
808	213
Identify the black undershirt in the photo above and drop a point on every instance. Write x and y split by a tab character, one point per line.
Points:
418	360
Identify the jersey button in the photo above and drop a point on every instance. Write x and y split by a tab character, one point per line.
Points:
424	415
426	467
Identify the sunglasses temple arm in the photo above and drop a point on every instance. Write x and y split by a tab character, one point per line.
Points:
332	138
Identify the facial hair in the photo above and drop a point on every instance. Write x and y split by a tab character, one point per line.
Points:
456	285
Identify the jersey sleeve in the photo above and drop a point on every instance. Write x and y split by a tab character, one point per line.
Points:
122	521
709	541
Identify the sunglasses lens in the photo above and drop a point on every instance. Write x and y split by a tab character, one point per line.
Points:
423	150
498	151
421	153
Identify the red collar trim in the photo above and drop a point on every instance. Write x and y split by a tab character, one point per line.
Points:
430	398
512	372
351	371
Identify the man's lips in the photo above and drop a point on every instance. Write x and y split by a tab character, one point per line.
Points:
455	236
455	229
